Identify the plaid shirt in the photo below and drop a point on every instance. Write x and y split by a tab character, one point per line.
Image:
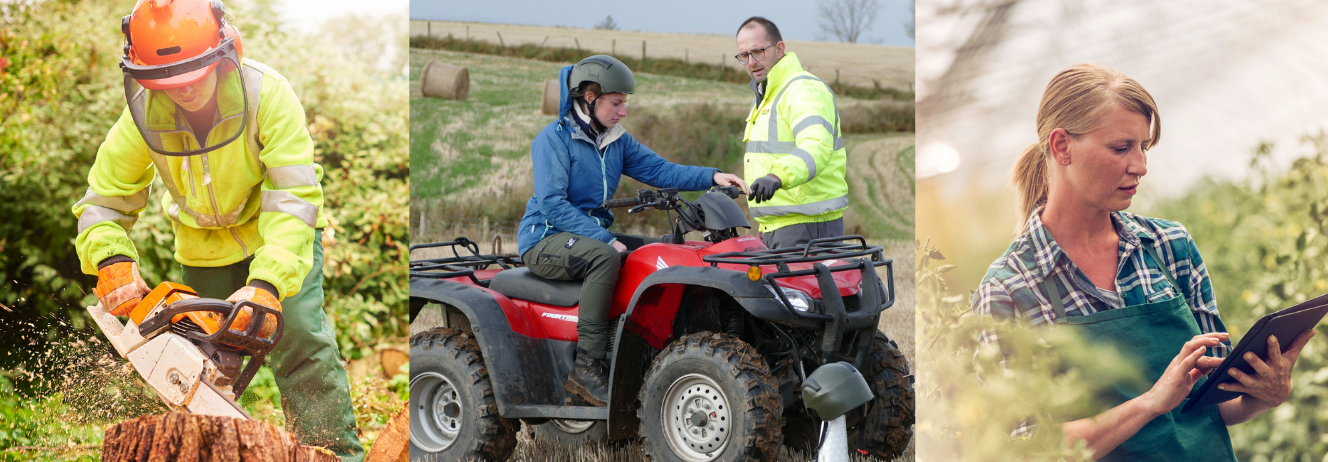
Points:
1012	288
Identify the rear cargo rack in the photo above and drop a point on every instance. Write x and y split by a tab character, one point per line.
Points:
459	265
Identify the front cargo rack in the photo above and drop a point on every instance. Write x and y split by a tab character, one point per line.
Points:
816	251
830	248
459	265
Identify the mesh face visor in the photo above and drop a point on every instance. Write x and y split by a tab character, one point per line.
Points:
162	121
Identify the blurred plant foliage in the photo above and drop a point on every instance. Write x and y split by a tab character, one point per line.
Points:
972	395
1263	243
60	91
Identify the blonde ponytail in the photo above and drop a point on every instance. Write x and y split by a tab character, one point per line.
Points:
1030	179
1075	100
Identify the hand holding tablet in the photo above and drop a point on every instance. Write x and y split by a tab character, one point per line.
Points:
1225	383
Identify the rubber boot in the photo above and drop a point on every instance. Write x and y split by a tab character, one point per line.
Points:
589	379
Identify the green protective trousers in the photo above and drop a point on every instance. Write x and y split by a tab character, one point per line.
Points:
315	393
566	256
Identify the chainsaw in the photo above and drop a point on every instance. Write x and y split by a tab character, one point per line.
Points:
187	350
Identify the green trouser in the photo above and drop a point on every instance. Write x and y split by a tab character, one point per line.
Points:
567	256
315	393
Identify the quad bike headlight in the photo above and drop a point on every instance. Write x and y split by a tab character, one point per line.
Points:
799	299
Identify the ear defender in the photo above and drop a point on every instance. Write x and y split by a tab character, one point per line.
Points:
219	12
124	28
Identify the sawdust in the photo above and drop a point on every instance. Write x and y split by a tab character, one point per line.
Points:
96	384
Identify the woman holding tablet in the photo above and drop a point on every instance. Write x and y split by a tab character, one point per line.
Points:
1134	282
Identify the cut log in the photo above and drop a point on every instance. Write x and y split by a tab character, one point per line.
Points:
550	97
440	80
393	443
202	438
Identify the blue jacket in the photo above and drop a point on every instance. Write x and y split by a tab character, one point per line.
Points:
572	177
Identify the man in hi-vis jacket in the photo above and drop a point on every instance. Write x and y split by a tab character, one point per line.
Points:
795	158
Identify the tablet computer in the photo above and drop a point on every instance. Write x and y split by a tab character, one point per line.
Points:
1285	324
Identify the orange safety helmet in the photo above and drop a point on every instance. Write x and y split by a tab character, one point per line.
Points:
173	43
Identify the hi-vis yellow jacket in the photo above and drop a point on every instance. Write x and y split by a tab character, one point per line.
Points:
258	196
793	132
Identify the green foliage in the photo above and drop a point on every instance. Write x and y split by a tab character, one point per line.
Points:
664	66
45	422
1263	243
972	395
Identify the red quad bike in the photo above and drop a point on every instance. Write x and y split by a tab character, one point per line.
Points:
713	342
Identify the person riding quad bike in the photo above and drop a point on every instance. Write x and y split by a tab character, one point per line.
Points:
578	162
228	138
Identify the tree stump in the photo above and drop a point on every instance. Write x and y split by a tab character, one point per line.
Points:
393	443
201	438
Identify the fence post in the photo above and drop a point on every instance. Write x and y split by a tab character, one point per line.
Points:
428	28
613	49
578	42
467	33
546	40
643	53
500	39
684	56
484	228
424	218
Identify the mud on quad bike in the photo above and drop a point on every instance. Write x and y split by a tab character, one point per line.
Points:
714	339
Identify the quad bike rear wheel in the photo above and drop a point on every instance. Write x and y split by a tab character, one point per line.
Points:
882	427
710	397
453	415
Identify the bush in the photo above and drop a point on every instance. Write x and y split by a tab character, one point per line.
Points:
971	395
1263	242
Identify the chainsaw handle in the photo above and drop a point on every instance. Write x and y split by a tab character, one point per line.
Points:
248	341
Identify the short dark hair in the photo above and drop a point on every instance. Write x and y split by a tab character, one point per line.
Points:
771	30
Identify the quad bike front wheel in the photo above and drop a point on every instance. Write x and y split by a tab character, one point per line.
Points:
884	426
710	397
453	415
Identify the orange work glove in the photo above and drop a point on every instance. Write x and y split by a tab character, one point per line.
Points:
119	287
256	293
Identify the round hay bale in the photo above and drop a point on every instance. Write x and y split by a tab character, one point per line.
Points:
440	80
549	100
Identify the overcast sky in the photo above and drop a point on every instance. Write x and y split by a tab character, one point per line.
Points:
797	19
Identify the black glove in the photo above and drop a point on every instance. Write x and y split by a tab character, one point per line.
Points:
764	188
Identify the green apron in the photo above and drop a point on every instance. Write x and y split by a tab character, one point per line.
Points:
1154	333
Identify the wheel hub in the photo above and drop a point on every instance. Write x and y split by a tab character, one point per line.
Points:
435	412
696	418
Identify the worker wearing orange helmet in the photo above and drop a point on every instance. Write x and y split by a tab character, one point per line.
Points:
228	138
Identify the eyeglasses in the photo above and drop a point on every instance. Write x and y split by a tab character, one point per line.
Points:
756	55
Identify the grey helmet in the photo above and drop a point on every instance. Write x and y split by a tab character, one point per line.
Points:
834	389
611	74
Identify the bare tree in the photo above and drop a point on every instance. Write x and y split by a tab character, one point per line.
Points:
607	24
911	24
846	20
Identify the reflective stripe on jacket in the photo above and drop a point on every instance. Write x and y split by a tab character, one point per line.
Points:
793	132
258	196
